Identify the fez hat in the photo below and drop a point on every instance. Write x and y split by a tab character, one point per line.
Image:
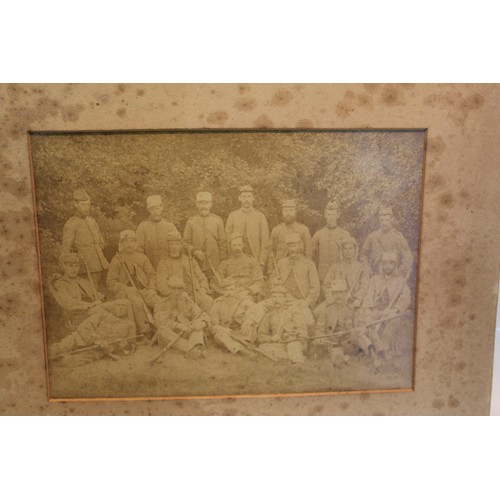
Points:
288	204
80	195
70	258
339	286
127	233
153	200
349	241
175	282
174	236
246	189
385	211
332	205
234	236
204	196
279	288
389	257
293	238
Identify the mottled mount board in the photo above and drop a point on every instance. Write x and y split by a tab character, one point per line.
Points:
458	266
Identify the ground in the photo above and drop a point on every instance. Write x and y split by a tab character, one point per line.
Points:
220	373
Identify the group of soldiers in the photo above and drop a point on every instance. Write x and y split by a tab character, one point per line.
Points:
282	294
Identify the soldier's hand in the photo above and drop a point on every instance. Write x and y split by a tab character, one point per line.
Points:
275	338
199	254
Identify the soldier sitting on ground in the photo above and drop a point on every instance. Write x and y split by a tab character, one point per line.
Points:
279	326
337	320
131	276
227	315
111	330
179	321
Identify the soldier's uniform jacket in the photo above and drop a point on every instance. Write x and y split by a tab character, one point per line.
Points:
245	270
83	235
139	268
180	267
355	275
379	242
280	233
252	225
335	318
104	325
327	248
300	278
73	294
206	234
381	291
229	311
152	239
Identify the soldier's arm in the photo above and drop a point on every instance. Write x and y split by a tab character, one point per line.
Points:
257	278
314	289
307	241
221	240
66	301
364	280
141	237
200	276
264	241
113	276
229	225
99	234
162	276
68	237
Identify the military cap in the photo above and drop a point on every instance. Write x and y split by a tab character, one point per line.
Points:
288	204
127	233
227	282
389	257
293	238
153	201
204	196
175	282
234	236
174	236
70	258
349	241
385	211
80	195
246	189
279	288
339	286
332	205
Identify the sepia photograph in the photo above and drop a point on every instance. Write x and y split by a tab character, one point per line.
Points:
228	263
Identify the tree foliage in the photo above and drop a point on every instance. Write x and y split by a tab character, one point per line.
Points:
359	169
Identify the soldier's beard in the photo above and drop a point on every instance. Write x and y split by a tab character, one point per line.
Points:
156	218
237	253
204	212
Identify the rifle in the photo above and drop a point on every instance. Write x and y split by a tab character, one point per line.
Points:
250	346
342	333
218	277
92	284
149	316
193	284
94	346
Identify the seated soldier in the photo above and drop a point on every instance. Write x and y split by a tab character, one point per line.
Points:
71	291
185	268
281	329
131	276
111	330
227	315
336	322
244	269
179	321
387	295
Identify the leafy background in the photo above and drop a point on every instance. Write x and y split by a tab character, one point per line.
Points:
359	169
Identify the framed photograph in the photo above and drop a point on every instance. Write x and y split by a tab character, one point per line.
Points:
228	263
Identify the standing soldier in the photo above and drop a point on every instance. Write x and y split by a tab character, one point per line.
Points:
244	269
297	273
251	225
185	268
386	239
180	321
326	242
81	233
352	271
152	232
289	226
204	235
387	295
131	276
